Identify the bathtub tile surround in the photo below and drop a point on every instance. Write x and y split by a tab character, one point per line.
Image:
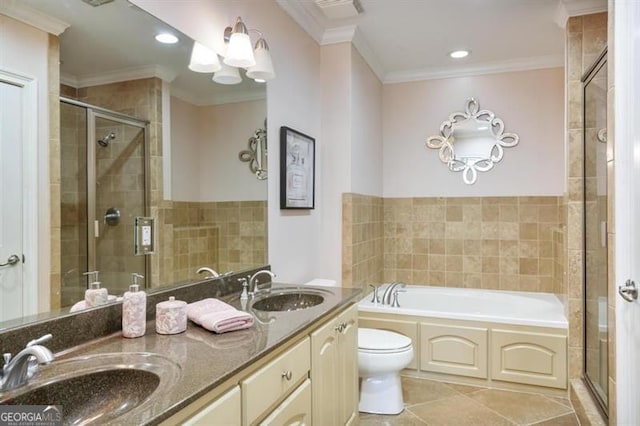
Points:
501	243
430	402
362	240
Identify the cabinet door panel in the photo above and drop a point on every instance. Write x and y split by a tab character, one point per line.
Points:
456	350
349	368
531	358
325	381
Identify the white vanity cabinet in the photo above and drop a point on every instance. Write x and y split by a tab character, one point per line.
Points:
334	370
312	380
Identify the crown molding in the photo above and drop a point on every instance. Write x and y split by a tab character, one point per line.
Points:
522	64
303	18
16	10
125	74
569	8
245	96
363	47
338	35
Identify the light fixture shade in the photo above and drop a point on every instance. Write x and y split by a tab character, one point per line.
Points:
203	59
227	75
263	69
239	51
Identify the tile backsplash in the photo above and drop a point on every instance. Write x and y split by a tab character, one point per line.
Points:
480	242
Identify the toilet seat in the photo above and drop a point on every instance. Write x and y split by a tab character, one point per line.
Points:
373	341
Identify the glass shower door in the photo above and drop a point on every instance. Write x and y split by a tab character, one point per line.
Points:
595	231
118	176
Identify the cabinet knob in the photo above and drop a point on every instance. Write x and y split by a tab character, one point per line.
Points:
287	374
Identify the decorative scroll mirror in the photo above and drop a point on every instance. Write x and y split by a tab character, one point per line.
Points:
472	141
256	155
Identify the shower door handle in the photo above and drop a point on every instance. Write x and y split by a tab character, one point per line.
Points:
629	291
12	260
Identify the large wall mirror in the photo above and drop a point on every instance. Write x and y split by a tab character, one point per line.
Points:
178	164
472	141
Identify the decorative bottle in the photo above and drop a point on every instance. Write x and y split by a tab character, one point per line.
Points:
94	295
134	310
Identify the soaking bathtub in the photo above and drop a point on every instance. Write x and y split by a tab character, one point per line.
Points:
487	337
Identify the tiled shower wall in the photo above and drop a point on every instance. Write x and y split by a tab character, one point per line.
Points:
586	37
480	242
230	236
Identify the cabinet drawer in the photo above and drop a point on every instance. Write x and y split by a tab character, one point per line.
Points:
453	349
295	410
267	385
531	358
223	411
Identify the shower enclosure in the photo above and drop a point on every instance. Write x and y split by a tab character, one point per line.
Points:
595	230
104	187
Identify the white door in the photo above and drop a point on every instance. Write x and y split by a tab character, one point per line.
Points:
627	207
11	139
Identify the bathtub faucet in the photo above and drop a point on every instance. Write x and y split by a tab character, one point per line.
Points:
386	297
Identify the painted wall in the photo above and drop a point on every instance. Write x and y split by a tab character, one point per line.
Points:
293	99
530	103
205	145
352	148
16	39
366	128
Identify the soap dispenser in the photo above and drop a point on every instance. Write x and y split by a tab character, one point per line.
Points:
134	309
94	295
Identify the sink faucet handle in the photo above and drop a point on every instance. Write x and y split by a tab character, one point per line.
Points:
40	340
375	298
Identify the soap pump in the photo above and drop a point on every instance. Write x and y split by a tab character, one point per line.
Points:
94	295
134	309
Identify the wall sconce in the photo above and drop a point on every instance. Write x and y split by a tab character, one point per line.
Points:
238	54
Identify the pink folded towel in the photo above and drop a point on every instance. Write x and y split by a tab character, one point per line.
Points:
217	316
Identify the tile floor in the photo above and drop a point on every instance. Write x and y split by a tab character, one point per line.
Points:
443	404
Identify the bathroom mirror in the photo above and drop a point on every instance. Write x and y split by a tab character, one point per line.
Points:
472	141
209	202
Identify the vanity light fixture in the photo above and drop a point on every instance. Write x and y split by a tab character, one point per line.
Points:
166	38
238	54
459	54
203	59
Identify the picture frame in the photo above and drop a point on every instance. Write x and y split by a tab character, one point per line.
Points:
297	169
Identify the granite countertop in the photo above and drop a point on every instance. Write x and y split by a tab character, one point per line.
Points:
201	359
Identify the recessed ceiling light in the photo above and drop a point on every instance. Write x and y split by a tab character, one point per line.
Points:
457	54
166	38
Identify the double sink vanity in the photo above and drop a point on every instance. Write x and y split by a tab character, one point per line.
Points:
297	362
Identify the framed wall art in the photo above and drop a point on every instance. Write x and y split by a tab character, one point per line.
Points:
297	170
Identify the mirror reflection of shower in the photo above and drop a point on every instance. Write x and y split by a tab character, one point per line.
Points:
104	142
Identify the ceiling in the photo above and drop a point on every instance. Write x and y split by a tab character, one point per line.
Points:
405	40
115	42
402	40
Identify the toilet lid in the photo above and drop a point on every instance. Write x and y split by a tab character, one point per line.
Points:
371	339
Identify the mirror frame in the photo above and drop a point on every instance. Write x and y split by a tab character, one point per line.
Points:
470	167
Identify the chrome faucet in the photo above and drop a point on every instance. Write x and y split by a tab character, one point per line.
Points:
17	370
253	282
386	296
210	271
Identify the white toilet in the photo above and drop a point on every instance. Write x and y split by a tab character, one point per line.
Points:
381	356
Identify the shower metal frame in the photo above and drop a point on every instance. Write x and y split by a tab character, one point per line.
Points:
590	73
94	112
